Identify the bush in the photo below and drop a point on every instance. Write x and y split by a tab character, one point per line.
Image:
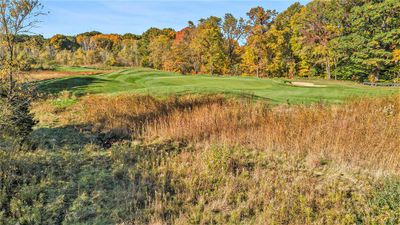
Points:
16	121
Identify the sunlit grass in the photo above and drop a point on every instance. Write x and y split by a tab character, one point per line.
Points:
159	83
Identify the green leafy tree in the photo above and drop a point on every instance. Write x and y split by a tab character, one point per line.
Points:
374	34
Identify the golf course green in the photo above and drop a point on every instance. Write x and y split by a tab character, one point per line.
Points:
159	83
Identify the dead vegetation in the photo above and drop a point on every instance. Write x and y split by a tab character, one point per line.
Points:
212	160
361	133
38	75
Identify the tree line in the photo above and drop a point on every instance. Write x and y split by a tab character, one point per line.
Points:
341	39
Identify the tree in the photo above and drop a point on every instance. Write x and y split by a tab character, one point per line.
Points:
105	41
283	61
315	26
62	42
233	31
209	45
79	57
367	49
159	48
129	36
64	57
83	39
259	23
181	58
396	55
16	17
146	37
396	59
129	54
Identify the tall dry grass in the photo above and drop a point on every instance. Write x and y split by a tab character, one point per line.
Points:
128	115
362	132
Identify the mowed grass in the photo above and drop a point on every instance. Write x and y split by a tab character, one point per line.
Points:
159	83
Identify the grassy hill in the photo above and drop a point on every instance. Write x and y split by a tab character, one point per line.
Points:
159	83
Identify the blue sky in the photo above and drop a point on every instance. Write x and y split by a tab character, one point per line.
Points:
136	16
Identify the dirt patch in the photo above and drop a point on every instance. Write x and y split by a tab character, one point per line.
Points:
49	74
306	84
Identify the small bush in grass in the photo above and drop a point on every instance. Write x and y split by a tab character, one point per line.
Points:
16	120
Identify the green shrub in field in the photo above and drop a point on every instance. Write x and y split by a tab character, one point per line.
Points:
16	120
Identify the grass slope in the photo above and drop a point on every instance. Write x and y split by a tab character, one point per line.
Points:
159	83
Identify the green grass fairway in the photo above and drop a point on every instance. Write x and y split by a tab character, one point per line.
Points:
159	83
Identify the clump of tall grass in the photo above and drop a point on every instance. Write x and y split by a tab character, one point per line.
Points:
127	115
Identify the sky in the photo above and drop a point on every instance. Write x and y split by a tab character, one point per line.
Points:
72	17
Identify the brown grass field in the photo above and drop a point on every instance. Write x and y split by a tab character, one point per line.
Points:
39	75
208	159
360	133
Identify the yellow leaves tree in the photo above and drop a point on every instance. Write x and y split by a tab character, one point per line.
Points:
159	48
79	57
181	56
129	54
250	61
105	41
83	41
208	46
255	53
396	55
314	27
62	42
396	58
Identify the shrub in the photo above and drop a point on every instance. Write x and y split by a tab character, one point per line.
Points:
16	120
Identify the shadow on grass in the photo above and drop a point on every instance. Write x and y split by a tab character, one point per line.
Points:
99	187
74	84
71	137
60	137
